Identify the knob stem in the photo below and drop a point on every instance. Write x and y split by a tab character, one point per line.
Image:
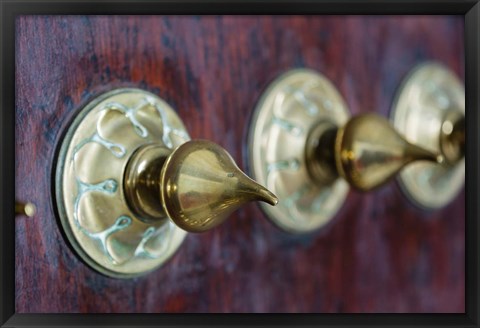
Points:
452	137
142	190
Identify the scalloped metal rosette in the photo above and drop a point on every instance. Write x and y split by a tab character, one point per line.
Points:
424	99
287	112
89	182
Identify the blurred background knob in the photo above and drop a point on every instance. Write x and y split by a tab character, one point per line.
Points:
366	152
306	149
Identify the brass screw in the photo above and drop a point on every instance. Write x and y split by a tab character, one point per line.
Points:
27	209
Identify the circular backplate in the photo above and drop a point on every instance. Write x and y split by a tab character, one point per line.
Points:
89	182
428	93
286	113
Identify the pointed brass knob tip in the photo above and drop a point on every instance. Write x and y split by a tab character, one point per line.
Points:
201	186
369	151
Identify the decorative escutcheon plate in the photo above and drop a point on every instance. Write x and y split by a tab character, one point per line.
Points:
423	101
287	111
89	178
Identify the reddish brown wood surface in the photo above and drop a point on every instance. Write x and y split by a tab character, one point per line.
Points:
379	255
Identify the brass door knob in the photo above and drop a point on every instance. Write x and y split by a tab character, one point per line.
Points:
197	185
304	147
366	152
129	183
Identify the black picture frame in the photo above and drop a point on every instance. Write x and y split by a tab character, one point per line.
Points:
9	9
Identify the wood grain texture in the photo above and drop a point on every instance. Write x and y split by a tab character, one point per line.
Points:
380	254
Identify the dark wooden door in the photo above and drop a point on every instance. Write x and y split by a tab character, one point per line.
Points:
381	254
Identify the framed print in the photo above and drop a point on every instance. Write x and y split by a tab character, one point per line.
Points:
175	163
